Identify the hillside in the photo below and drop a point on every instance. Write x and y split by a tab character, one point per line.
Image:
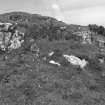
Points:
51	66
26	17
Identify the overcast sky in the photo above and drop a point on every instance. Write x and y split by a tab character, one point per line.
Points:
81	12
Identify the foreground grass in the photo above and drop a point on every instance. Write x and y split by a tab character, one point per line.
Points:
27	80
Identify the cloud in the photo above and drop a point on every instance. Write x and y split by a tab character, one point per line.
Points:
56	7
71	11
79	11
93	15
57	12
80	4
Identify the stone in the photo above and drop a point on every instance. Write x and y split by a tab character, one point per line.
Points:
75	60
55	63
50	54
10	38
34	48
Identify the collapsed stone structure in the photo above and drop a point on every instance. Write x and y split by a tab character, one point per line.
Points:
85	36
10	37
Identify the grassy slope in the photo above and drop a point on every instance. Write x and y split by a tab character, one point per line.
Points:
24	81
28	80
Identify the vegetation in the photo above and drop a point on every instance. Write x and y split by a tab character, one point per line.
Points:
28	79
97	29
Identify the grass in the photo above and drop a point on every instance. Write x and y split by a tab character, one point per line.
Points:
25	82
29	80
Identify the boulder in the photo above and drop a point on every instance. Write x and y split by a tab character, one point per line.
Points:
75	60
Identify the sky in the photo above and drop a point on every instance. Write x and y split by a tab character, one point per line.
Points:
82	12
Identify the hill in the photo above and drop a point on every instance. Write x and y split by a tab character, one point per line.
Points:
26	17
40	23
37	72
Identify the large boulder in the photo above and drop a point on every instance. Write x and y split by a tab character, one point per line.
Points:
75	60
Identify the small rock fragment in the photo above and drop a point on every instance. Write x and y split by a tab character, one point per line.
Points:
55	63
50	54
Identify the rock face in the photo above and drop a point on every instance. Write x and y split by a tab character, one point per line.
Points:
10	37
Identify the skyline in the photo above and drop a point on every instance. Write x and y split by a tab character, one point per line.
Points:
80	12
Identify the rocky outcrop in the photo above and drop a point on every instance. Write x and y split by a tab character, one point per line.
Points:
10	37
